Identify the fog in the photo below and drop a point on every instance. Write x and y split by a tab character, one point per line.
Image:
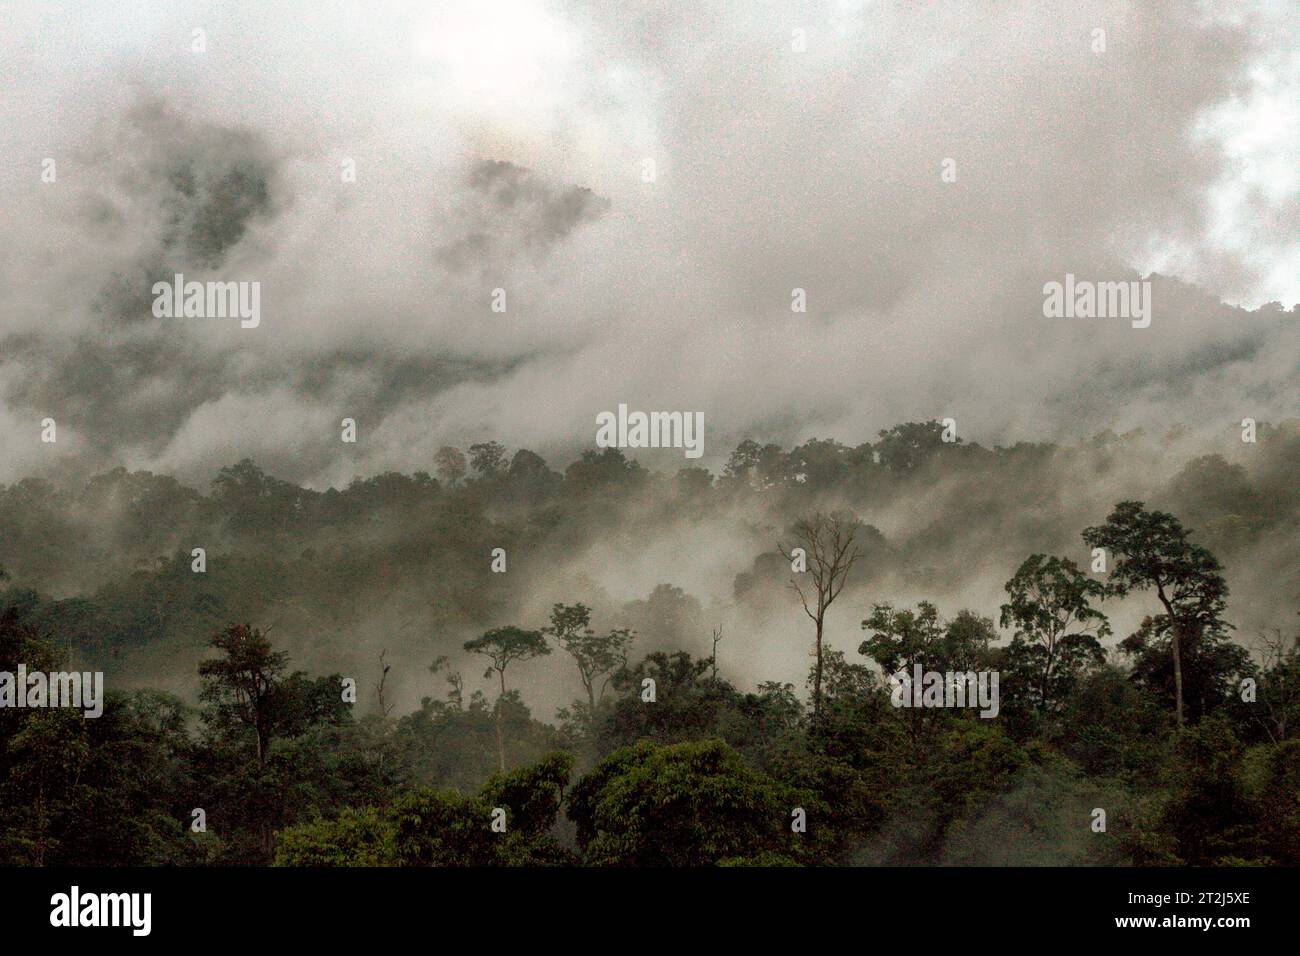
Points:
505	146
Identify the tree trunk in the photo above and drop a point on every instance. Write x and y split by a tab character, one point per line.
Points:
1175	640
817	675
1047	673
263	742
501	744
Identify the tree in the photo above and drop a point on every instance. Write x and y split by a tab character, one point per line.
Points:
243	683
501	646
607	469
450	464
689	804
1212	666
44	763
905	448
668	617
1151	549
1208	813
689	705
758	467
830	553
966	641
1057	630
42	753
819	463
529	468
488	459
365	837
743	461
902	639
1276	782
1279	684
598	656
444	828
256	504
1110	727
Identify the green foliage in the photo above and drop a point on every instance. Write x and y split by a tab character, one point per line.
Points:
443	828
1211	667
688	703
905	448
1057	631
901	639
1152	550
598	656
690	804
364	837
1039	819
488	459
1271	782
247	686
503	645
455	744
709	773
1209	816
1111	728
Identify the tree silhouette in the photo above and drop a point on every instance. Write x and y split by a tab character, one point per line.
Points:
501	646
1151	549
828	541
243	683
1056	627
598	656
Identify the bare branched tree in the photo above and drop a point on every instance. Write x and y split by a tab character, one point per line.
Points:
829	553
1280	681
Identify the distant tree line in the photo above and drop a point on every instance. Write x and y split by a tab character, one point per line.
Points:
1188	744
1184	739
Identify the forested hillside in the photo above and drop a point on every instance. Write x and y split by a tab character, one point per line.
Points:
437	668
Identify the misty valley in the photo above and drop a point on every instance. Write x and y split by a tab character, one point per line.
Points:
914	650
471	462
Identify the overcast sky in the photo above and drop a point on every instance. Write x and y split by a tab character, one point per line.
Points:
504	145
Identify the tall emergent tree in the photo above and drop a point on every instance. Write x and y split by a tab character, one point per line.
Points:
1151	549
1057	630
598	655
829	553
243	683
501	646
